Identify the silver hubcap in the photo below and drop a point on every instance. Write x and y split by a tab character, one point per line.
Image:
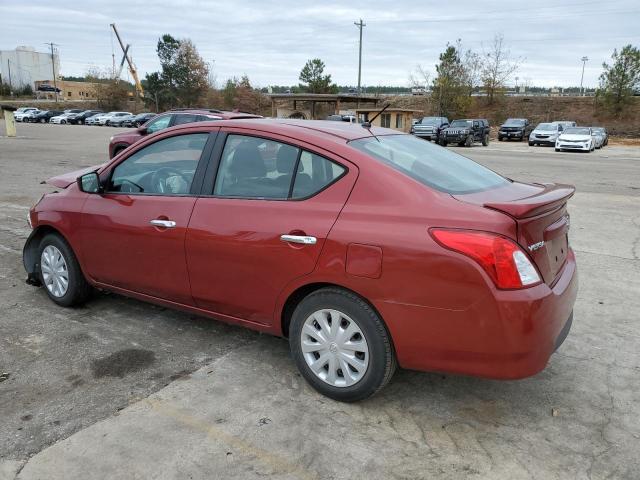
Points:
54	271
335	348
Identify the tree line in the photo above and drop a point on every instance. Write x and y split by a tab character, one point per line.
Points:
186	80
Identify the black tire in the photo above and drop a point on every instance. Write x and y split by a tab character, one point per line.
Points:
485	140
468	141
382	360
443	142
557	149
107	123
531	144
78	290
499	138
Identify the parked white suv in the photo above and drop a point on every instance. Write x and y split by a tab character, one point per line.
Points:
22	112
106	118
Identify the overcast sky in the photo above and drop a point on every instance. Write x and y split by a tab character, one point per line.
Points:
271	40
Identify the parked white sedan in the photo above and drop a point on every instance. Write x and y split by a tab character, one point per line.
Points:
576	138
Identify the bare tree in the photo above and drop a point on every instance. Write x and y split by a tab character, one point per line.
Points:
472	64
497	66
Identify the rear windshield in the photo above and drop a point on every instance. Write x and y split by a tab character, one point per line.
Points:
577	131
430	164
430	121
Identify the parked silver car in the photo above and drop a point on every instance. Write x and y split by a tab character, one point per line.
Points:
545	134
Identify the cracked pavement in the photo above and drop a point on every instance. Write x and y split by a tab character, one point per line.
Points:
122	389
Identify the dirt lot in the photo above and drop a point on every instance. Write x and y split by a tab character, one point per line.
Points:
122	389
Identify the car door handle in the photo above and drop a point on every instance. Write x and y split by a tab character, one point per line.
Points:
163	223
304	239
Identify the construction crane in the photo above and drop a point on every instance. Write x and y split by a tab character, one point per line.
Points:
132	68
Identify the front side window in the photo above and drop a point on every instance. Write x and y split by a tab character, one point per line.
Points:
429	164
159	123
165	167
385	120
252	167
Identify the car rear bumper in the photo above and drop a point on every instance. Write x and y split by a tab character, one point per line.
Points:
509	336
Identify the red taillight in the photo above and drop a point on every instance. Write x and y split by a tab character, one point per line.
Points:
503	260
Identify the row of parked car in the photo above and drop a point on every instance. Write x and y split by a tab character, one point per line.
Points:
77	116
564	135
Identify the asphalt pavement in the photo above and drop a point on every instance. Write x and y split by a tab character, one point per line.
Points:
122	389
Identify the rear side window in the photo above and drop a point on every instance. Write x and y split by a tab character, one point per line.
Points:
314	173
430	164
182	118
252	167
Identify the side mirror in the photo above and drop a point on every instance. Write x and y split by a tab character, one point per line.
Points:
142	130
89	183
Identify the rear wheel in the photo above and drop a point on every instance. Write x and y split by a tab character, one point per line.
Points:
485	140
340	345
499	138
60	272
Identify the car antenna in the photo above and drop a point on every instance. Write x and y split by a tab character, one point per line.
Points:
367	124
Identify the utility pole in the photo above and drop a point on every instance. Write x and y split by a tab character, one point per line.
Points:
10	84
360	26
584	62
53	69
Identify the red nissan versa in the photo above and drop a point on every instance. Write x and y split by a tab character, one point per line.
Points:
365	247
179	116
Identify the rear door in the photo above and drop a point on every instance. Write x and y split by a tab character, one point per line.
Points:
271	206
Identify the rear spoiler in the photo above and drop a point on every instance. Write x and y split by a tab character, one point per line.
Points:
553	196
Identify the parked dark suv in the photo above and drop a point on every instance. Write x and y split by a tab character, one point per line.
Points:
518	128
170	119
430	128
465	132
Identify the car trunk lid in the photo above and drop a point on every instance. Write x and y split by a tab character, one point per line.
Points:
540	213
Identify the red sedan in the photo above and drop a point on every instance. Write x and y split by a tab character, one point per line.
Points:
366	248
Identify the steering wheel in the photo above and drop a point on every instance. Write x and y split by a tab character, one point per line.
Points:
160	176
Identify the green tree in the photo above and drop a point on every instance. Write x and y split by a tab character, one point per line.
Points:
184	75
313	78
621	78
450	89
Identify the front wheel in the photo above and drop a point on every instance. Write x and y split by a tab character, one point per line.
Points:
340	345
60	272
557	149
443	142
531	144
469	141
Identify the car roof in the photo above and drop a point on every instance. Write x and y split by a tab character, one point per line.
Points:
211	111
320	129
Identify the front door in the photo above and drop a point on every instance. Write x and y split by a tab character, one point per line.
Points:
272	207
132	236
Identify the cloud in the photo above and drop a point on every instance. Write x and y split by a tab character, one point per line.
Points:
271	40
